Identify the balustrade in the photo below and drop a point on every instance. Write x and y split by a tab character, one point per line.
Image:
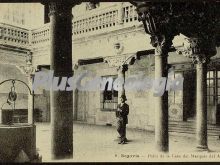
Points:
130	15
94	22
41	35
14	36
105	19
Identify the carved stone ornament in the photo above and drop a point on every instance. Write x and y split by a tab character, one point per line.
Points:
61	8
91	5
189	18
117	61
198	50
28	69
161	43
118	47
194	20
158	22
156	17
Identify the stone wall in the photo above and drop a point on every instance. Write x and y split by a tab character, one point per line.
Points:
182	104
10	149
141	102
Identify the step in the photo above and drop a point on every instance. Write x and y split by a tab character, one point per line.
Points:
189	127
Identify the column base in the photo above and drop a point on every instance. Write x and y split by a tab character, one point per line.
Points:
56	157
202	148
160	148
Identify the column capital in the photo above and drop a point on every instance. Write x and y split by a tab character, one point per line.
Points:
200	59
158	22
162	43
60	8
198	49
156	17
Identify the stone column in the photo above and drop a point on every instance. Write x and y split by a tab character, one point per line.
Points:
158	24
75	104
121	74
30	101
121	63
0	116
61	63
201	104
162	45
29	71
200	50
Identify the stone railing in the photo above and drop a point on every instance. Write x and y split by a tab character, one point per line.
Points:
97	21
93	22
14	36
114	17
41	35
130	15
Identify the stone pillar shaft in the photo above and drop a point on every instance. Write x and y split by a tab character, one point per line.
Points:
61	64
200	49
75	104
123	83
0	116
201	105
159	26
161	107
122	71
30	102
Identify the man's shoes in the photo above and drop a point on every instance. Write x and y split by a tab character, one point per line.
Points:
126	140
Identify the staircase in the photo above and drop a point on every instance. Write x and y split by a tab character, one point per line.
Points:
189	128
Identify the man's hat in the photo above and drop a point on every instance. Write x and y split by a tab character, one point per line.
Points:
123	97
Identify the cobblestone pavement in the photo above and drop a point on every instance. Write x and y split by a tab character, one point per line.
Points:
100	143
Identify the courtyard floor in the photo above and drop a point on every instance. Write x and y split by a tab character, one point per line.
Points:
100	144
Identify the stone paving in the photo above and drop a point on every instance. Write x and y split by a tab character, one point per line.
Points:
94	143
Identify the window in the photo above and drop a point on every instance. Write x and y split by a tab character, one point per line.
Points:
109	98
218	86
174	95
213	86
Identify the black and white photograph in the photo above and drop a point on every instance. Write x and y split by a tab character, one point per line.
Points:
109	81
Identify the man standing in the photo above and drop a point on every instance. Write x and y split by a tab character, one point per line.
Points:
122	119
